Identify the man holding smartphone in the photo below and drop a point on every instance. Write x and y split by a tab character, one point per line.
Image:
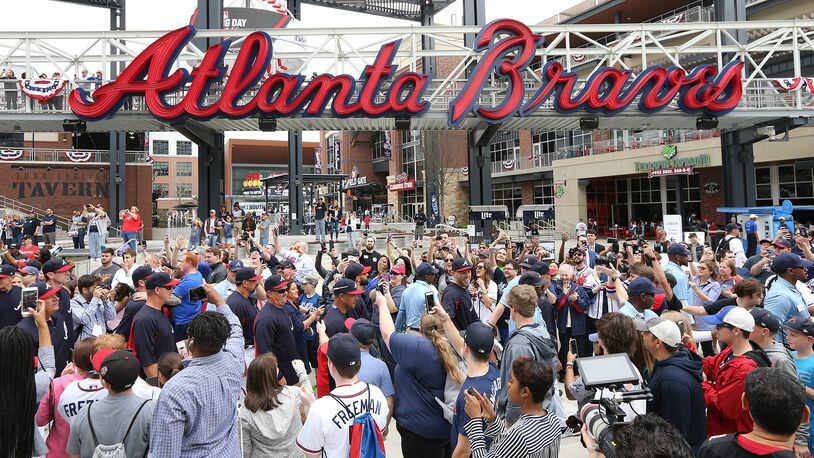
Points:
344	306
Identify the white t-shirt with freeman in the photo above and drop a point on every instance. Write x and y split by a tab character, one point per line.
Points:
328	423
77	395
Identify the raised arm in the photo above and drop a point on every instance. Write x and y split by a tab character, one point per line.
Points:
386	325
450	331
235	344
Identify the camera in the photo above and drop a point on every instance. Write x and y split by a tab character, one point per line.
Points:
609	260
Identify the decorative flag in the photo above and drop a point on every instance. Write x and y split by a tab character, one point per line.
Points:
791	84
41	90
465	171
79	156
10	154
508	164
317	160
337	155
387	147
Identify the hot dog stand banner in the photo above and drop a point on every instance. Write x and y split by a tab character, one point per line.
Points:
507	49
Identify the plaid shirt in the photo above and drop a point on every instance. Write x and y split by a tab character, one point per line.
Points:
196	413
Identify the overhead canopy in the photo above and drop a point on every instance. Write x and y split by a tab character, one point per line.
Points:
306	178
409	10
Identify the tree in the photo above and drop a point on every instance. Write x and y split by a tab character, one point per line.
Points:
440	167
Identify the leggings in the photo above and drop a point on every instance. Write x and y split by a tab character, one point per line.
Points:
415	446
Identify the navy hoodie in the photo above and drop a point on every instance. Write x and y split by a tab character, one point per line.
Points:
678	397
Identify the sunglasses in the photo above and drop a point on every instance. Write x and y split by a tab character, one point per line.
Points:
281	291
479	267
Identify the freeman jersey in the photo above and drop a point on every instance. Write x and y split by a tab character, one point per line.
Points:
77	395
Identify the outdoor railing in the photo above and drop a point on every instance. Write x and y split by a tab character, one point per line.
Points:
72	156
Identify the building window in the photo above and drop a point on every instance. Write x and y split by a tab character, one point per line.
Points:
184	189
508	194
183	148
763	179
161	147
544	193
161	190
561	143
505	147
161	169
379	140
183	169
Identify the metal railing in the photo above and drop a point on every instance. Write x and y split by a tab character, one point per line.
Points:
8	204
78	157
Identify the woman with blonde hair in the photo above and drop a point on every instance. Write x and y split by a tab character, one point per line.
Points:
423	363
727	277
195	234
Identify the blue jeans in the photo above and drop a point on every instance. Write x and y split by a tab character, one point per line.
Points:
333	229
264	241
353	238
213	240
320	230
131	238
95	242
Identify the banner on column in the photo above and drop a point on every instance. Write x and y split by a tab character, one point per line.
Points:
672	226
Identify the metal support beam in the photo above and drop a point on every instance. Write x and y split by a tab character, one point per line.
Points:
208	15
117	174
732	10
295	203
474	14
427	43
295	7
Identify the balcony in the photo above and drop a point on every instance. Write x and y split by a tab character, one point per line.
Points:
66	156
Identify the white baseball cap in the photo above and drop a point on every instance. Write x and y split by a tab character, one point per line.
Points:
665	330
753	216
733	315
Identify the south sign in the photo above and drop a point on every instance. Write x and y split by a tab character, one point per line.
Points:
507	46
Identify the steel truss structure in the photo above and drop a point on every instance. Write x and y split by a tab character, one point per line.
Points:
347	50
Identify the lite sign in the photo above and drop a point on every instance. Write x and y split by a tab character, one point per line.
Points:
507	49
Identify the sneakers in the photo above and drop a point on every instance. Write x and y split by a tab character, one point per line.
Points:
567	431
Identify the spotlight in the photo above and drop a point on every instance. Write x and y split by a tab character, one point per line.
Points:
74	125
591	123
402	123
706	123
267	123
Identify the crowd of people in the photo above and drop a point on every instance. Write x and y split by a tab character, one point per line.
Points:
464	349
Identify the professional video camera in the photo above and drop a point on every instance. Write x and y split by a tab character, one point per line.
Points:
603	414
608	260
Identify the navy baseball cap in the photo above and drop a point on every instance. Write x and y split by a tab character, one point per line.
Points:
461	265
355	269
765	318
160	280
676	249
7	270
56	265
285	263
786	261
531	278
803	326
732	227
362	330
479	338
425	269
235	265
528	261
247	273
44	290
141	273
344	351
275	283
346	286
641	285
352	252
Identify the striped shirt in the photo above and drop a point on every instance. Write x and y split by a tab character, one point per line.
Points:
531	436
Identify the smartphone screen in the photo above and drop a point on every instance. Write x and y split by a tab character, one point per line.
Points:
197	294
29	299
572	344
429	302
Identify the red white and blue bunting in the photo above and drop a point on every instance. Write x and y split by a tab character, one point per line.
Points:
79	156
792	84
10	154
41	90
508	164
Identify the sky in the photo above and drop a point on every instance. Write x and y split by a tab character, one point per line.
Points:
50	15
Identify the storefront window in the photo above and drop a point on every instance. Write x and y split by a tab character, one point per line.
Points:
379	139
508	194
505	147
544	193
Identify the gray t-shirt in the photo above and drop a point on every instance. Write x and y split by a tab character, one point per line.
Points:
110	417
110	271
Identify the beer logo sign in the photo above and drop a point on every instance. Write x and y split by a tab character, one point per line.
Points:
669	151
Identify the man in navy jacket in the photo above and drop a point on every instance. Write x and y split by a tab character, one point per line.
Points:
675	381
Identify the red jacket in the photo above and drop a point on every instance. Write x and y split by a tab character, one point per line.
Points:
131	222
324	381
723	389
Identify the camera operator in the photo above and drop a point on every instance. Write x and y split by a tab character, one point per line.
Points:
535	433
675	381
648	436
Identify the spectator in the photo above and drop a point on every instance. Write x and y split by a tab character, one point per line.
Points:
125	274
766	327
420	219
186	311
320	208
10	86
10	297
56	272
456	299
244	303
641	293
135	302
733	243
30	226
91	307
801	339
535	433
759	265
695	247
99	221
116	342
728	277
29	250
28	278
751	235
108	269
571	306
413	303
272	414
213	258
228	286
678	256
675	381
273	329
783	299
483	292
746	294
368	255
726	372
152	334
373	371
212	228
775	402
705	286
345	293
131	226
79	228
302	324
49	228
298	255
189	420
196	234
227	225
326	430
169	365
120	418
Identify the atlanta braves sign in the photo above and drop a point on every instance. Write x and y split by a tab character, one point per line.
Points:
508	48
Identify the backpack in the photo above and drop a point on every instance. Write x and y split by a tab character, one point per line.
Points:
365	438
115	450
722	246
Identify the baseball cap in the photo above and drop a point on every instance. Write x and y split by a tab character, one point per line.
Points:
665	330
782	243
531	278
44	290
56	265
397	270
276	283
247	273
575	251
362	330
312	278
479	338
732	227
781	218
752	216
461	265
160	280
344	351
13	246
141	273
803	326
29	270
355	269
34	263
641	285
425	269
676	249
352	252
346	286
235	265
7	270
540	267
693	235
734	316
765	319
285	263
528	261
762	241
786	261
119	368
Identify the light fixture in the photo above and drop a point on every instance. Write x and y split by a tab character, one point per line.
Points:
589	123
74	125
706	123
267	123
403	123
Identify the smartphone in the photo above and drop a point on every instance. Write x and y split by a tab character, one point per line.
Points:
429	302
183	351
197	294
471	391
572	345
29	299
